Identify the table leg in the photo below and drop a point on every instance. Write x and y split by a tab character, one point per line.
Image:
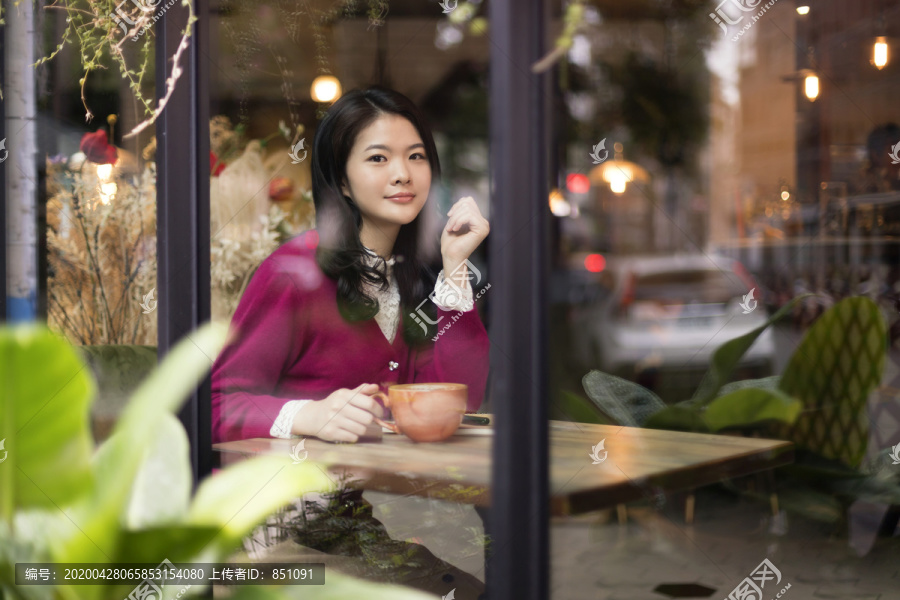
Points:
484	512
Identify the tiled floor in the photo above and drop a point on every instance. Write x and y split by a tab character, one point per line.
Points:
609	561
595	557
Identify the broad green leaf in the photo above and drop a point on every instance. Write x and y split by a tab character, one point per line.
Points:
750	405
241	496
179	543
764	383
728	355
625	402
118	459
679	418
573	407
832	372
163	392
162	489
45	395
35	531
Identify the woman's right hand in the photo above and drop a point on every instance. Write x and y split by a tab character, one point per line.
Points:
341	417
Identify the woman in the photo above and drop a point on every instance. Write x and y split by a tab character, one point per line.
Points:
342	311
317	327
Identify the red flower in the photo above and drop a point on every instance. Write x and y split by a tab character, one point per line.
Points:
213	159
97	149
281	189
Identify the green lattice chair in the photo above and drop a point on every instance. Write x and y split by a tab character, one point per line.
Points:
837	365
834	370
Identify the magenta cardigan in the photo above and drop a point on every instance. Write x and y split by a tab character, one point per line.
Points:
292	344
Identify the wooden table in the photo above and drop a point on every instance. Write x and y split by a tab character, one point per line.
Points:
640	463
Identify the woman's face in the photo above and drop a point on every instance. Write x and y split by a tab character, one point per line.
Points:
388	174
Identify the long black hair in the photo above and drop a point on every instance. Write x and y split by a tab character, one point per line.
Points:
340	252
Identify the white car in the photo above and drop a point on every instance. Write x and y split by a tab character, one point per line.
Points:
666	315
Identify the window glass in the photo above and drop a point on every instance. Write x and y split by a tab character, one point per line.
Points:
726	164
276	69
95	184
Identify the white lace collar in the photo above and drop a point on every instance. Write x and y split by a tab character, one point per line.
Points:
373	258
388	317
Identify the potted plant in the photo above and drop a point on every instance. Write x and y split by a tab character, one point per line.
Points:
129	500
818	402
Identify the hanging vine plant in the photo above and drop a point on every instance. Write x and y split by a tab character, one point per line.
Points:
100	31
102	28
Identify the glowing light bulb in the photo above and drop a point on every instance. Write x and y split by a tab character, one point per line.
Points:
811	87
559	206
880	53
802	10
325	88
617	182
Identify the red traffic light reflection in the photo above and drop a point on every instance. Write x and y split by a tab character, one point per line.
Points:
595	263
578	183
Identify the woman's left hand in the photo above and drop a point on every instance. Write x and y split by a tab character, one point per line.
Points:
465	230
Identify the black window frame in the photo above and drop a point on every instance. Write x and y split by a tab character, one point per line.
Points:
518	565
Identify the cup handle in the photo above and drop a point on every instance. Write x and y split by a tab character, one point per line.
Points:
387	402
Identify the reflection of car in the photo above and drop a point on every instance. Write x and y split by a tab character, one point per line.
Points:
666	315
579	281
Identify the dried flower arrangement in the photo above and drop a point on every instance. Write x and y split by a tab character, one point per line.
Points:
252	210
101	219
101	247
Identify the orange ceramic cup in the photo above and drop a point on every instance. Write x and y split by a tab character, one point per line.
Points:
425	412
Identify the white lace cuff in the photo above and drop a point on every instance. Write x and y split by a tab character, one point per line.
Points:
282	426
452	294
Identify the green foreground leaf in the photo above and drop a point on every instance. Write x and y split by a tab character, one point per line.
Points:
45	394
750	406
728	355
